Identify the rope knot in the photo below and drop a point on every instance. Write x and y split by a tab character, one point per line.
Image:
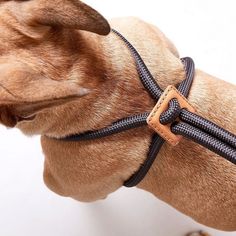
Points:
172	113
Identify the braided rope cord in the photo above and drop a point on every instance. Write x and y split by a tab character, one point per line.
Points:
191	126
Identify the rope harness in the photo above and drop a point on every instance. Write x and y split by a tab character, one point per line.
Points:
172	118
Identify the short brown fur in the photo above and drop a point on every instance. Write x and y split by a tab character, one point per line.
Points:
75	80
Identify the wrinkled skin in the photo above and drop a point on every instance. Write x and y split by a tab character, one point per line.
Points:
60	75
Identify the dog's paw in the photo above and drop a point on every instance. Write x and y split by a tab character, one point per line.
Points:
199	233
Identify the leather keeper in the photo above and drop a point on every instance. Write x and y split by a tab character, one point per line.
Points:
162	105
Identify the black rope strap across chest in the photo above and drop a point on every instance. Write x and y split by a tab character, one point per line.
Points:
189	125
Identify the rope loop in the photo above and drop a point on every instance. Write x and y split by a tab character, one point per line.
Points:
172	113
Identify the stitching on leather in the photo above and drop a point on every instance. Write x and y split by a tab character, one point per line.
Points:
154	113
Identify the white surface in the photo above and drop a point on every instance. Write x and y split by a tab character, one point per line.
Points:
202	29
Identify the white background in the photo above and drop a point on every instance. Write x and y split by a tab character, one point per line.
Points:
204	30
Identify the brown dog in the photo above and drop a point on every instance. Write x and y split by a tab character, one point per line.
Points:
57	80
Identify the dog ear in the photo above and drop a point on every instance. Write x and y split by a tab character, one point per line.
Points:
62	13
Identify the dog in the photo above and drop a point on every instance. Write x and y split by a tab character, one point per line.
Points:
62	72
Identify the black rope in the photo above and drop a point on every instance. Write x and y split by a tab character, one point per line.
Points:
200	130
191	126
208	127
206	140
155	146
189	67
172	113
144	74
117	127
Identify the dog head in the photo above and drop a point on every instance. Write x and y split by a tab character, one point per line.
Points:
39	44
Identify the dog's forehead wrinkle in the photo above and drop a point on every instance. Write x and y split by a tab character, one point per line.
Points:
8	91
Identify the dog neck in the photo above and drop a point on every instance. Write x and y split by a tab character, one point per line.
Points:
114	67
